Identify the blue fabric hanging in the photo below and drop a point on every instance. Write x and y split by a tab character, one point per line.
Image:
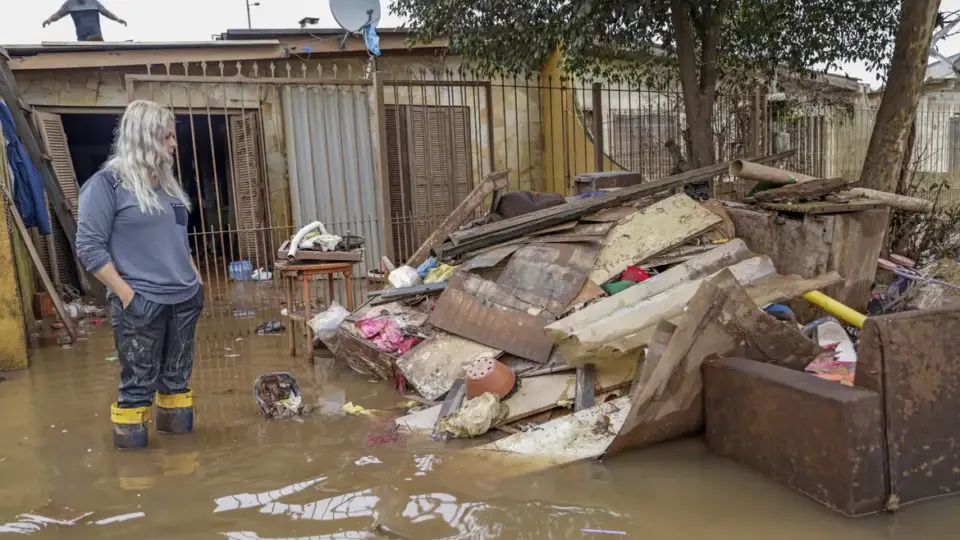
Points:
27	185
371	39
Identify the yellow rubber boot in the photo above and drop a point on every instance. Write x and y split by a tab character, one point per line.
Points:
129	426
175	412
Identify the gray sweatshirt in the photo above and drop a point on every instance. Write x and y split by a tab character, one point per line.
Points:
150	251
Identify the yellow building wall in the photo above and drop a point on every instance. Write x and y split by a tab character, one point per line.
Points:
569	148
13	336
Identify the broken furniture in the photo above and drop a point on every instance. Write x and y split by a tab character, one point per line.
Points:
305	273
886	442
810	245
315	256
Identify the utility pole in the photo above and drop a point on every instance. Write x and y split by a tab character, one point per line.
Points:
249	20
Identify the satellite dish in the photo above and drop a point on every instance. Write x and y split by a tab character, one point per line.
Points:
353	15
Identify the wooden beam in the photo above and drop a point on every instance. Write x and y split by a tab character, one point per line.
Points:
515	227
598	127
378	120
586	391
47	284
493	182
30	138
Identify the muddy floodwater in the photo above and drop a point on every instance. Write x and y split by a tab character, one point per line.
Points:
346	477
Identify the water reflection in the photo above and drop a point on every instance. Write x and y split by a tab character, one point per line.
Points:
251	500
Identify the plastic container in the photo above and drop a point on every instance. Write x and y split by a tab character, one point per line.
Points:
489	375
241	271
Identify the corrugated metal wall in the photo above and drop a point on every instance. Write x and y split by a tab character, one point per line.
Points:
331	162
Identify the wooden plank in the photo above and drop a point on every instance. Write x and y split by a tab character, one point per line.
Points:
653	230
495	181
10	93
609	215
504	329
507	229
820	208
47	284
535	395
450	405
549	275
416	290
586	393
806	191
721	322
436	363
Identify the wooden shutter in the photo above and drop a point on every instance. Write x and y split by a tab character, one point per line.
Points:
248	186
462	168
55	251
396	181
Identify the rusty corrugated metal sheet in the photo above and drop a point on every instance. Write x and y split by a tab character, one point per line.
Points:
489	322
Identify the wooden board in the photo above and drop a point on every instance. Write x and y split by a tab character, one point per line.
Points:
436	363
535	395
721	321
493	182
819	208
548	275
504	329
610	215
805	191
652	230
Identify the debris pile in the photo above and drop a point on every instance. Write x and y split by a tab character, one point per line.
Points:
568	299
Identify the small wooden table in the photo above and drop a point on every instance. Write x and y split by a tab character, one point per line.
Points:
305	273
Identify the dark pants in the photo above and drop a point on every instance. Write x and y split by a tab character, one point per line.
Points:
155	345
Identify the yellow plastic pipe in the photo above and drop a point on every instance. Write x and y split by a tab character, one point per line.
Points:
841	311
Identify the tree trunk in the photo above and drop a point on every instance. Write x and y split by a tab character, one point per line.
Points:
881	168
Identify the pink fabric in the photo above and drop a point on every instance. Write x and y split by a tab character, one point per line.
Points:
389	339
409	342
370	327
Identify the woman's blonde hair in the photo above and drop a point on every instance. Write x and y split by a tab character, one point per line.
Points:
139	158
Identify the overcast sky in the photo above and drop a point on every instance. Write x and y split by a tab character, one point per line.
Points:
198	20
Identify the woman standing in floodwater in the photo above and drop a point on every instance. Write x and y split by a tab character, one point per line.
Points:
132	235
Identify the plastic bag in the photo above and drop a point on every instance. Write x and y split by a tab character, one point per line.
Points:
403	277
439	273
326	325
475	417
427	265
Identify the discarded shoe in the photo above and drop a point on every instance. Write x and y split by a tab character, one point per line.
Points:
175	412
129	426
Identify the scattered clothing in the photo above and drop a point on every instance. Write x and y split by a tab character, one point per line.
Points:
27	184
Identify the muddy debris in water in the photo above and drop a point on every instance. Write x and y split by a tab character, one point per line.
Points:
272	327
278	396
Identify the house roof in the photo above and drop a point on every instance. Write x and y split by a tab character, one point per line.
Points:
113	46
279	33
941	70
